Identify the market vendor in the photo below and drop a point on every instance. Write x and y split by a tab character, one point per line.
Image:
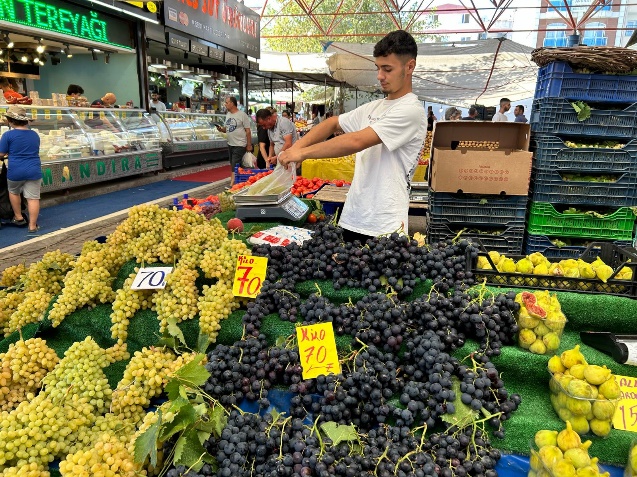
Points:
281	131
106	101
386	136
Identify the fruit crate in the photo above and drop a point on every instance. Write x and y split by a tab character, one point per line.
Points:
507	241
551	153
238	178
473	209
613	255
543	244
557	116
551	187
557	80
544	219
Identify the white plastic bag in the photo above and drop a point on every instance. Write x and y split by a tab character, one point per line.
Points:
249	160
279	181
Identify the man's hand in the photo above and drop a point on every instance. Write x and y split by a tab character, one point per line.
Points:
272	160
249	148
290	155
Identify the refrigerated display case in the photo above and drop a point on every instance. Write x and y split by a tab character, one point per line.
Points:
81	146
190	138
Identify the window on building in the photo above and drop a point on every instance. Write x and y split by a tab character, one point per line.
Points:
465	18
555	35
466	38
560	5
632	25
595	34
434	18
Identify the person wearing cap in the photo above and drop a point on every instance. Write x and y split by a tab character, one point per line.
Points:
106	101
24	173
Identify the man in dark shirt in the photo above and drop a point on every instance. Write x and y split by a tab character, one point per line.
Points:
473	113
519	114
106	101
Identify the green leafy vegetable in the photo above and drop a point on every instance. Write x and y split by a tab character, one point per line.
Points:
582	109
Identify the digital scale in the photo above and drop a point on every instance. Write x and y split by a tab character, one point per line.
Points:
282	206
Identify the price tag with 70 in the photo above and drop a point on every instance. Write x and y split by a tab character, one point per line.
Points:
249	275
151	278
317	350
625	417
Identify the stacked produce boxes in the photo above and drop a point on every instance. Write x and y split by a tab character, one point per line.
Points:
479	183
584	177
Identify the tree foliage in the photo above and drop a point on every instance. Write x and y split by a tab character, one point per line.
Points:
352	20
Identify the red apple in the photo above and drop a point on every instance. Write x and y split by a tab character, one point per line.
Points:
235	225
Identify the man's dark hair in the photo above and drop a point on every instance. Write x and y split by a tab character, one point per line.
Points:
74	89
505	100
521	107
263	114
398	42
472	111
233	100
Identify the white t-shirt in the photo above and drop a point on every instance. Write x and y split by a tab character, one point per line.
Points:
236	125
378	199
159	106
499	117
283	127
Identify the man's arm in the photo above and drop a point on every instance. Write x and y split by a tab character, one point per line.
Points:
287	143
248	140
264	153
339	146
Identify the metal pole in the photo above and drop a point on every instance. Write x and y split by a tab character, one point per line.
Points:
292	97
356	97
271	100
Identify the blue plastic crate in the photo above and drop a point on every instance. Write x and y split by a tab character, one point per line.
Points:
549	186
238	178
473	209
557	116
551	153
543	244
557	80
508	241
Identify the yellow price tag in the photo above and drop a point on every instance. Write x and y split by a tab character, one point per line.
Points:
82	115
123	114
317	349
90	114
625	417
249	275
102	115
116	114
47	114
59	115
34	113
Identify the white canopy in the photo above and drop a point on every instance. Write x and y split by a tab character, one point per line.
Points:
458	73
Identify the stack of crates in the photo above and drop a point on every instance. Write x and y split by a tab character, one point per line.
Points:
582	167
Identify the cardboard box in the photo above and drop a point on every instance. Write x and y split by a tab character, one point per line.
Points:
506	170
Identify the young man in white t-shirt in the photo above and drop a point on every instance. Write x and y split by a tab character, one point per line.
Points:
386	134
505	105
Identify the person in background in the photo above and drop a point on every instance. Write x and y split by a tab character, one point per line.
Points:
24	172
8	88
386	135
74	90
181	104
431	119
285	114
264	147
472	115
518	112
106	101
281	131
452	114
239	134
156	104
315	119
505	105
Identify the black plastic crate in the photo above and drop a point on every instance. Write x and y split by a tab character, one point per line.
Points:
557	80
507	241
549	186
474	209
542	244
557	116
551	153
614	256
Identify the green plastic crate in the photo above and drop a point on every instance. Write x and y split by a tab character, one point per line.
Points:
545	220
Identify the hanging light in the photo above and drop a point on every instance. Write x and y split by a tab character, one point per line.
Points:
24	58
7	40
94	55
107	58
40	48
67	51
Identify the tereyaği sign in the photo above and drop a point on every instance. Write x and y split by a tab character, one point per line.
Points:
223	22
68	19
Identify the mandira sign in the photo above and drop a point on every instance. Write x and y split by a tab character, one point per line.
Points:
67	19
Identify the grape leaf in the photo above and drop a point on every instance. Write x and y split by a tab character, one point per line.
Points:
184	418
194	373
177	404
339	433
582	109
189	452
202	343
219	419
464	415
483	201
146	444
174	330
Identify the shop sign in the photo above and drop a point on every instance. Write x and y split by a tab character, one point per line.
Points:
177	41
215	53
224	22
243	63
229	58
67	19
254	66
198	48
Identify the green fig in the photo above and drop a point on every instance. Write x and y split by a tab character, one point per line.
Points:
610	389
545	438
568	438
603	409
538	347
577	370
596	374
555	365
600	427
578	457
580	389
526	338
563	468
549	455
580	424
572	357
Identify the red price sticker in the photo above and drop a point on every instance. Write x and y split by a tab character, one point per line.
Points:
249	275
317	349
625	417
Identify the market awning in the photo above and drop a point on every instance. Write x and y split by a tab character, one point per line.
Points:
300	67
458	73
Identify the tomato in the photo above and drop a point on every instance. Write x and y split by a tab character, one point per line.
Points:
309	196
311	218
338	183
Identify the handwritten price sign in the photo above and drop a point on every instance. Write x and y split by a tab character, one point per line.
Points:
317	349
153	278
625	417
249	275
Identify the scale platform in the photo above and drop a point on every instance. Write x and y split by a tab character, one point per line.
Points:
282	206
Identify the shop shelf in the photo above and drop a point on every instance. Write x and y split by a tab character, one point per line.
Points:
543	244
557	80
557	116
544	219
507	241
238	178
613	255
473	209
551	153
549	186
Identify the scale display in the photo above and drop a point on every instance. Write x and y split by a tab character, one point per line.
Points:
291	208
